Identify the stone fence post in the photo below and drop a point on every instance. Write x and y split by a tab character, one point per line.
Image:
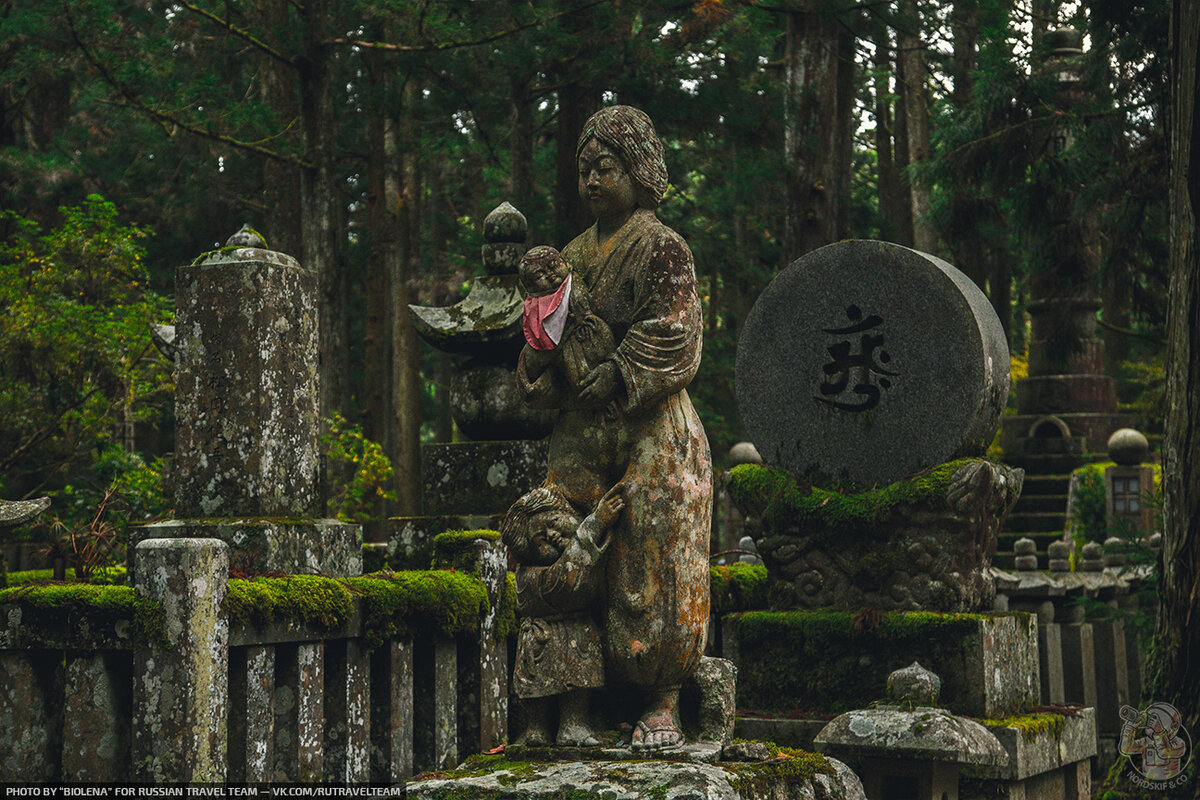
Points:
181	685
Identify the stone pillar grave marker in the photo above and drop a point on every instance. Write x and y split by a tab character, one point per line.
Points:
247	459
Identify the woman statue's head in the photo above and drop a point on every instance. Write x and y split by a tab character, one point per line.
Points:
630	135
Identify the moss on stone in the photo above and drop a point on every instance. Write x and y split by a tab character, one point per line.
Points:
456	549
739	587
324	603
788	767
1031	725
419	603
103	576
834	661
777	498
57	605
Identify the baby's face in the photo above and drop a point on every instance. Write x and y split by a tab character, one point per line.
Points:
552	527
543	276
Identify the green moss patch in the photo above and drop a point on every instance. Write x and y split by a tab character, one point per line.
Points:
103	576
828	662
456	549
1032	726
739	587
788	768
419	603
779	499
324	603
67	606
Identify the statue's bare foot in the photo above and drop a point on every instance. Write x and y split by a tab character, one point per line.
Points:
573	727
536	735
658	728
537	732
575	735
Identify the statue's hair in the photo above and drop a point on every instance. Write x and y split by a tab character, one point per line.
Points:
516	531
630	133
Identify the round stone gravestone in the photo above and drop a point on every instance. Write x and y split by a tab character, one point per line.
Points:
865	361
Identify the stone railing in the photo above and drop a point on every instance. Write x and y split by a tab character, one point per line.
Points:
1088	645
189	676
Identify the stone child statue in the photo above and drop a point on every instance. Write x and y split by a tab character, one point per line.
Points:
560	326
559	653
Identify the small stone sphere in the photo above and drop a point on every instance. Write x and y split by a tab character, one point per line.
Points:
1128	447
744	453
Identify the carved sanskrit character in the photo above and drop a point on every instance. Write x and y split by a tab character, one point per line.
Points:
632	422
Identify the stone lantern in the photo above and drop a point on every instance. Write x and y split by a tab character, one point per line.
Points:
909	747
1128	483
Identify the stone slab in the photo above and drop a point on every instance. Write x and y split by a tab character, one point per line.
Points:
1033	753
649	779
464	478
246	388
852	351
31	716
267	544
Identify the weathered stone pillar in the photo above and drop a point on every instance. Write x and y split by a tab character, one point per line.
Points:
31	715
493	653
96	713
347	711
300	713
392	711
246	386
181	689
247	426
252	725
445	703
1051	662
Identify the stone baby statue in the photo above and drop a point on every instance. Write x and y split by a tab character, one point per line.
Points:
560	325
559	652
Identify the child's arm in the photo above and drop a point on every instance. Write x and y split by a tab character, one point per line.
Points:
592	533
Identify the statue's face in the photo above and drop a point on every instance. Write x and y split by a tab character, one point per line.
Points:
606	189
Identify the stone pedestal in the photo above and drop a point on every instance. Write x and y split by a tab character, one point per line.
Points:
646	778
181	690
262	545
922	543
246	416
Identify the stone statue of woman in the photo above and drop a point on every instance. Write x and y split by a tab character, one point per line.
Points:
630	420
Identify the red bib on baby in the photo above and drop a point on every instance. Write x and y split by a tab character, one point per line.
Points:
545	317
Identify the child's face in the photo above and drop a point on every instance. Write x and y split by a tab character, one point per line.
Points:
550	528
543	276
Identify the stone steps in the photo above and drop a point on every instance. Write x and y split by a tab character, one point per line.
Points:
1041	503
1038	522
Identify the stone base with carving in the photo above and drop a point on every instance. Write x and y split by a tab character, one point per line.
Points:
923	543
259	545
